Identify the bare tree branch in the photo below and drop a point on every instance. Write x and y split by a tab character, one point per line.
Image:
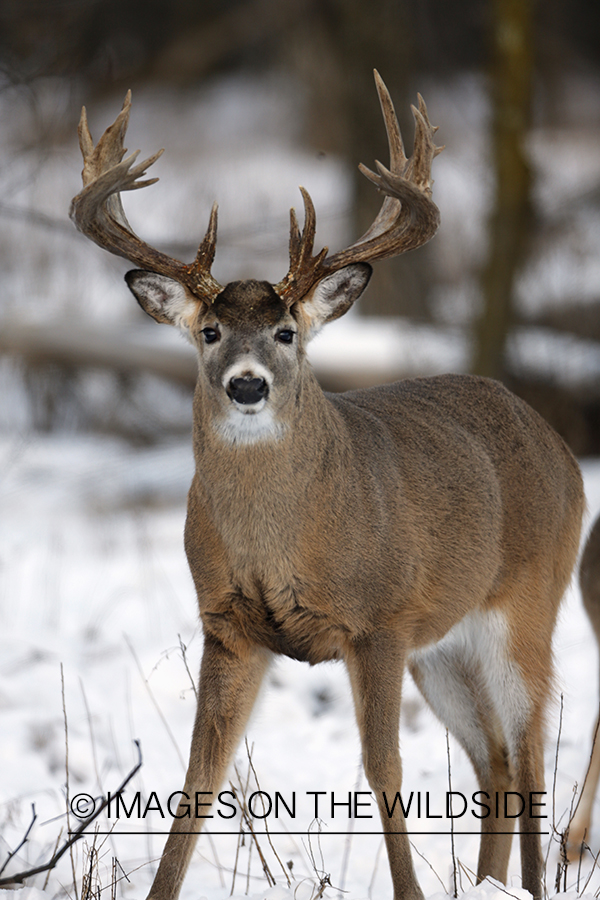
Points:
20	877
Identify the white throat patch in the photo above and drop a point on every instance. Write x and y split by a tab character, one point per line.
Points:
245	428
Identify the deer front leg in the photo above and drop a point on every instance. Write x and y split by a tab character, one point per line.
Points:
375	667
228	687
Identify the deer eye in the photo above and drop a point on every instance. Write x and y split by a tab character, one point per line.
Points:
286	336
210	335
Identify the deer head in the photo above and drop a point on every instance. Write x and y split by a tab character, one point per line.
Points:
251	336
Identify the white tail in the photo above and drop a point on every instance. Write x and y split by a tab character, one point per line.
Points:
589	582
432	523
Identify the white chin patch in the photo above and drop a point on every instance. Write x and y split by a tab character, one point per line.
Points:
251	426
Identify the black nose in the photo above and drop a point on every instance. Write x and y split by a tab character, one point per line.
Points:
247	389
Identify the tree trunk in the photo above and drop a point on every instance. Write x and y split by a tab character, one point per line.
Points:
335	52
511	218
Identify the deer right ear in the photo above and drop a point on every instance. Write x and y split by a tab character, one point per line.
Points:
334	295
163	298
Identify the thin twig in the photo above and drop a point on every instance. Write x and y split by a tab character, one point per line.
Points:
349	835
562	865
92	737
324	879
276	855
375	867
183	649
237	856
64	706
56	846
468	872
241	832
596	857
424	858
587	771
454	868
20	877
580	860
87	882
556	752
250	826
155	702
213	847
500	887
93	745
23	839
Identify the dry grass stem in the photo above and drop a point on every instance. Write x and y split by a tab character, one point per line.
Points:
258	787
67	796
424	858
454	866
154	701
74	836
183	649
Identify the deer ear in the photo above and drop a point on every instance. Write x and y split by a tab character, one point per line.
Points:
334	295
163	298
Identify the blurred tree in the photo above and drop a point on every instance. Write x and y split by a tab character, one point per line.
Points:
335	50
332	46
511	216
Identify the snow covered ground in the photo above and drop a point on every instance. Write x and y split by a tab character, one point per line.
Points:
95	592
94	588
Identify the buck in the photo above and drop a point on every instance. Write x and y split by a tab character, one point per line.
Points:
589	582
431	523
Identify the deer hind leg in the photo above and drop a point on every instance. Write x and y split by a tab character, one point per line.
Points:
579	829
477	690
530	664
450	678
589	582
228	687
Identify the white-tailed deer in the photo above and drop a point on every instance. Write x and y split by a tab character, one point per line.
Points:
589	582
432	523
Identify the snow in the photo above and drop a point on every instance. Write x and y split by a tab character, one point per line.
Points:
95	592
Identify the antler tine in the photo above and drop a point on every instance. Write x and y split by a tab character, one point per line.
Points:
407	219
98	213
390	208
305	269
109	150
295	239
419	170
86	143
200	278
395	143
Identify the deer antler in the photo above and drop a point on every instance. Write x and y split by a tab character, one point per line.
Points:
98	213
407	219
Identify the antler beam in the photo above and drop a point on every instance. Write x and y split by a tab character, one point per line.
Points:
98	213
407	219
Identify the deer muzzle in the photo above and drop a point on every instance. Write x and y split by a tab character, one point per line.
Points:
247	390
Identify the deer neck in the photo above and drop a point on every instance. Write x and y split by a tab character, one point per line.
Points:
258	495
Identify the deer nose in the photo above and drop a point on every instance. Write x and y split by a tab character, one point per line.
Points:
247	389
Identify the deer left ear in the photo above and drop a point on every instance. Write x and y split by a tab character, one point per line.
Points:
163	298
334	295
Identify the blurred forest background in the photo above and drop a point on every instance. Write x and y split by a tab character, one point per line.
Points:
240	90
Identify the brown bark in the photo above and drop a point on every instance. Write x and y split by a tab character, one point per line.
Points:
335	51
510	220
